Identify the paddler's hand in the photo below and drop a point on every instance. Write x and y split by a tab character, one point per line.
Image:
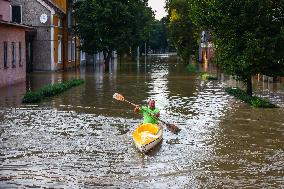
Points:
157	115
137	109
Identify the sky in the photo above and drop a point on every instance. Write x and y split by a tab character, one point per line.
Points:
158	7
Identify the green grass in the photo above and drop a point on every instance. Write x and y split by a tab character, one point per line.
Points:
254	101
191	68
50	90
206	76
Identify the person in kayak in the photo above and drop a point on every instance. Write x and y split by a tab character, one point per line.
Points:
150	112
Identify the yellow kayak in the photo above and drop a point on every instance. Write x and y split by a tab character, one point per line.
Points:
147	136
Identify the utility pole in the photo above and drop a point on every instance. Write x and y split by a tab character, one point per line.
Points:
145	50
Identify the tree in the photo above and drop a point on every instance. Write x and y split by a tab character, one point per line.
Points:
158	38
105	26
248	35
182	32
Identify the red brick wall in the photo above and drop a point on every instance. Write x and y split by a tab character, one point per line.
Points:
12	75
5	10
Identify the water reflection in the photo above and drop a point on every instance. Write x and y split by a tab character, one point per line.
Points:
82	138
11	95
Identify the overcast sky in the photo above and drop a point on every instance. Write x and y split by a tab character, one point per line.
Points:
158	7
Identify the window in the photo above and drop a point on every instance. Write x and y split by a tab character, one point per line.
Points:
59	22
5	54
13	55
20	54
83	55
73	50
69	19
59	48
17	14
70	16
69	50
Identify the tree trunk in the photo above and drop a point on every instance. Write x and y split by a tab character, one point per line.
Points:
275	79
107	57
249	86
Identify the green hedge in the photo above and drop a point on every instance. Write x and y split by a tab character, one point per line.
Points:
206	76
191	68
50	90
254	101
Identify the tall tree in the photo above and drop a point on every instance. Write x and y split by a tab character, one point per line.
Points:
248	35
105	26
182	32
158	38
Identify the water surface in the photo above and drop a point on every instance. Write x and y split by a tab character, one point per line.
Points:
82	138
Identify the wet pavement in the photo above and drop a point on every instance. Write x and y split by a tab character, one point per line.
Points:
82	138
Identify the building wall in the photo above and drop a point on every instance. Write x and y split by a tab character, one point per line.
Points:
61	4
206	53
45	43
31	12
11	75
5	10
42	49
58	31
70	36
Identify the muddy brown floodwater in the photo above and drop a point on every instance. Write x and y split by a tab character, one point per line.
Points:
82	138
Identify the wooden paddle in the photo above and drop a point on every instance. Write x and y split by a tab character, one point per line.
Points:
172	127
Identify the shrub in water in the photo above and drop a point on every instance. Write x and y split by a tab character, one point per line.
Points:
254	101
206	76
51	90
31	97
191	68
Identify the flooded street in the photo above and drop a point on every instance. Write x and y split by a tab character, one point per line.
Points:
82	138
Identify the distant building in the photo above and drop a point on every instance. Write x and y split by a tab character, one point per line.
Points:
12	45
54	46
206	49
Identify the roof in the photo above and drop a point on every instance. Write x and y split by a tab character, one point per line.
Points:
57	9
16	25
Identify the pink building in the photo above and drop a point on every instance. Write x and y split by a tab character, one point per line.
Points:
12	47
206	48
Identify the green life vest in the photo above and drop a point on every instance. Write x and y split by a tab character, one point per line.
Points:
146	114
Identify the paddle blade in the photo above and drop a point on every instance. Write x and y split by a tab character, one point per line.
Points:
118	96
173	128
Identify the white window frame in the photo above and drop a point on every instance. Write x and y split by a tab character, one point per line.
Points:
73	48
69	50
21	14
59	49
83	55
59	22
10	13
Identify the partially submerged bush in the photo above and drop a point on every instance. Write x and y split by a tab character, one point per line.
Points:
254	101
31	97
192	68
50	90
206	76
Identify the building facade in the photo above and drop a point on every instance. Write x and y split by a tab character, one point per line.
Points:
12	47
54	46
206	48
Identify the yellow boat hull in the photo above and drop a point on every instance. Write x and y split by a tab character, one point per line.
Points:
147	136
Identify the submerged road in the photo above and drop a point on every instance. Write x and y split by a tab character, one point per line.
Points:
82	138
